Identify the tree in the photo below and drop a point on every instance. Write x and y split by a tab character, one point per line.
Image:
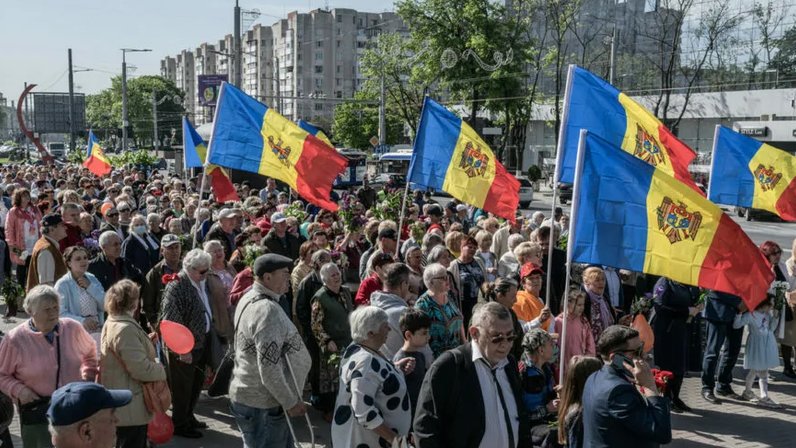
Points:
355	122
785	59
104	110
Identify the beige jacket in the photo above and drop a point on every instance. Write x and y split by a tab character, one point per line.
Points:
123	336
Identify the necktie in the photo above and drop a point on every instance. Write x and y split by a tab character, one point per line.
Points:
505	409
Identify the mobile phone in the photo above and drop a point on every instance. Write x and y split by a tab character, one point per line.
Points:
618	362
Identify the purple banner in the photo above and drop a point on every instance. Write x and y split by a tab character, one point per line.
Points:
209	86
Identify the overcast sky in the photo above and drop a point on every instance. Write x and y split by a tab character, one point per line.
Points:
35	35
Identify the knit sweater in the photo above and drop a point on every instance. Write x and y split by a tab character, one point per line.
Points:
265	337
28	360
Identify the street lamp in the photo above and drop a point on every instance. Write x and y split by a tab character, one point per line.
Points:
124	92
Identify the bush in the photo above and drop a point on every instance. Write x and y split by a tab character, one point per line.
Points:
534	173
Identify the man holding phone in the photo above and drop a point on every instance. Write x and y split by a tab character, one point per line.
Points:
621	404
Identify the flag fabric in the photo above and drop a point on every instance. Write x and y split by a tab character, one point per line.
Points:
194	147
603	110
630	215
450	156
195	154
96	162
315	131
250	136
749	173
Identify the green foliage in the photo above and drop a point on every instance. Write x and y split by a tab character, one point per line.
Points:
11	291
76	157
389	207
785	59
534	173
138	158
355	123
104	110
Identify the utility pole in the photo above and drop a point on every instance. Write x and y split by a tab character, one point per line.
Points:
124	102
71	104
27	120
278	88
382	114
237	51
611	69
155	138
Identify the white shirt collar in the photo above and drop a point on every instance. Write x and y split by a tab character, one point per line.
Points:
478	355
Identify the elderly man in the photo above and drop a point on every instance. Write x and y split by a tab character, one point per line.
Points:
153	224
270	189
70	212
111	216
152	290
386	243
47	262
82	415
186	301
558	268
269	354
472	395
140	249
500	240
223	231
109	267
279	240
621	404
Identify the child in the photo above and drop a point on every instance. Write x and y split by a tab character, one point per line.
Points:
761	350
579	338
414	327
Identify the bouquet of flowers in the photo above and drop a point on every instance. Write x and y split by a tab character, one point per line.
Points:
340	259
662	378
12	292
563	241
417	230
250	253
390	207
296	210
642	305
777	293
352	220
168	278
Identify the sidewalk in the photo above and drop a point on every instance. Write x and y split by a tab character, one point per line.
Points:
732	423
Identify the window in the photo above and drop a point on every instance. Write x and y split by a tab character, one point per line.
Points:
337	69
298	57
318	69
319	107
338	94
338	82
319	83
319	44
338	43
339	19
360	23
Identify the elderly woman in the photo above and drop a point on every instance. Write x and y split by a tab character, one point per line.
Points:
127	361
784	273
219	284
186	301
331	306
509	266
41	355
447	324
372	408
539	383
598	310
82	295
469	275
22	232
414	260
219	267
303	267
486	256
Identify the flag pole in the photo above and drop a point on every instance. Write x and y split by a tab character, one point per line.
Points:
204	167
570	243
409	178
184	159
559	151
713	158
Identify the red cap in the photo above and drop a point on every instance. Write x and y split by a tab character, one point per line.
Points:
530	269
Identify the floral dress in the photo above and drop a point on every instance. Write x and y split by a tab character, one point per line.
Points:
372	392
446	324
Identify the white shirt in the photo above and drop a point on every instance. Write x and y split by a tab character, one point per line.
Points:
46	265
495	432
202	290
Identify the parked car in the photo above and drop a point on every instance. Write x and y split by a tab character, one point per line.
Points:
565	193
755	214
526	192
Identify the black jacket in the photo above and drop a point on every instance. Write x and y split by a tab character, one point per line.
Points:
558	276
106	226
288	247
450	409
106	274
142	256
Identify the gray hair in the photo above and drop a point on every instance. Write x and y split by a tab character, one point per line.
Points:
196	259
485	313
327	270
208	245
515	240
430	241
37	295
319	257
107	236
204	214
534	340
139	219
152	216
436	254
365	320
431	271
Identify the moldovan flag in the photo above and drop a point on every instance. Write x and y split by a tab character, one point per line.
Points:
96	162
450	156
749	173
603	110
312	129
195	153
250	136
633	216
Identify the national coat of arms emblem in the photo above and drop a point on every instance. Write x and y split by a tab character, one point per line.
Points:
282	152
767	177
473	161
676	222
647	148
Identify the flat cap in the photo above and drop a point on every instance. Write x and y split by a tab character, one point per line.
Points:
269	263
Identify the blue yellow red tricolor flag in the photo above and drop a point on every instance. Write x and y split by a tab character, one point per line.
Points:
602	109
630	215
749	173
312	129
250	136
450	156
195	155
96	162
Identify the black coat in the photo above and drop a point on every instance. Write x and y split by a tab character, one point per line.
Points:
558	276
288	248
450	409
106	274
106	226
672	301
142	256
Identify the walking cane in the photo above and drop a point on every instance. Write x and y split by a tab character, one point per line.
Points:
306	416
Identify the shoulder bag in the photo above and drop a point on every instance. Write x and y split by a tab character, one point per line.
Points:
157	395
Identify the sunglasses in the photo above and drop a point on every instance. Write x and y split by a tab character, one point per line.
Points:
112	215
203	272
501	339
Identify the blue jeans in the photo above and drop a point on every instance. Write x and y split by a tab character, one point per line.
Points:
262	428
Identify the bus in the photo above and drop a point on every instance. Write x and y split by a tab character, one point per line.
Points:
357	168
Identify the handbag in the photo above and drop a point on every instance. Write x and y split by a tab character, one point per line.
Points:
220	385
35	412
157	395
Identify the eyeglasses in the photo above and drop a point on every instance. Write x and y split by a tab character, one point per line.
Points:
202	272
509	338
634	353
112	215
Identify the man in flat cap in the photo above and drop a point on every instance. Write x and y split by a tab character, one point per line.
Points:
47	262
269	354
82	415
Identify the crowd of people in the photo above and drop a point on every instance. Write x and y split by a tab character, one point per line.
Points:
448	331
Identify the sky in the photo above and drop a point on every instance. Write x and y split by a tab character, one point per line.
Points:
35	35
